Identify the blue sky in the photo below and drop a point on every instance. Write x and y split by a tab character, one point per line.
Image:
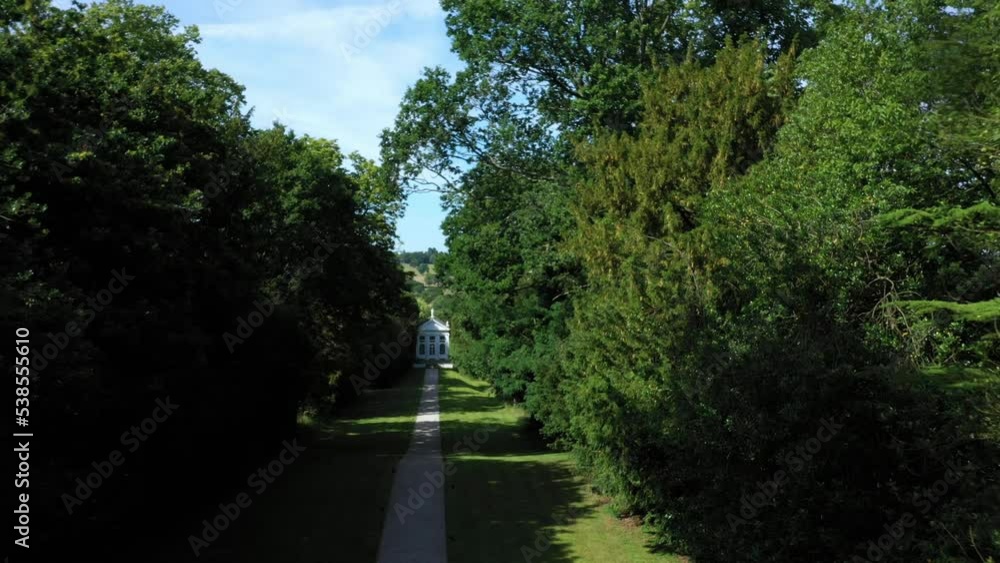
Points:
328	68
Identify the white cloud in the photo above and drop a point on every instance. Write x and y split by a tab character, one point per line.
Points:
330	27
294	67
423	8
289	55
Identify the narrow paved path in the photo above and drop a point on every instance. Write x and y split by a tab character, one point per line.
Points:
414	529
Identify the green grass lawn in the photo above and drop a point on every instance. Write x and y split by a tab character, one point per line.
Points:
511	500
329	505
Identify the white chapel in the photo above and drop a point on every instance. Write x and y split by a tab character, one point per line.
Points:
433	341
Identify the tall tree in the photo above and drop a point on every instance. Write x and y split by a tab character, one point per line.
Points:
159	246
497	140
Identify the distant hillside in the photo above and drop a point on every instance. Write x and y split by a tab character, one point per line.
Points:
421	260
423	283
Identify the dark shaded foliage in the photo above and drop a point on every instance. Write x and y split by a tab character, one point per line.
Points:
262	271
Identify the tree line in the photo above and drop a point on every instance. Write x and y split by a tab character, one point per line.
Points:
161	249
742	260
421	260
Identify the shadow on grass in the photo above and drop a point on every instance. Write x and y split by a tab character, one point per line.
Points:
509	510
329	505
508	494
467	409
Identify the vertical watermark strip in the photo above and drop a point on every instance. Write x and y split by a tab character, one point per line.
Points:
22	438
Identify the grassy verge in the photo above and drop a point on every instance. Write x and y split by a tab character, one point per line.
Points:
329	505
510	499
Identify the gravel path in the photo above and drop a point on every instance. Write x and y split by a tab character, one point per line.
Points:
414	528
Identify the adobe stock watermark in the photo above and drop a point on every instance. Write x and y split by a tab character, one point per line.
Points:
378	19
923	501
94	305
263	308
796	460
720	363
87	137
219	180
91	137
223	7
245	327
258	481
390	352
434	481
133	439
543	542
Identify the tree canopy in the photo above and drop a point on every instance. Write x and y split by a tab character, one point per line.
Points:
258	266
693	237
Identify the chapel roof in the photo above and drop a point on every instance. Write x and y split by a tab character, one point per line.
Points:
434	324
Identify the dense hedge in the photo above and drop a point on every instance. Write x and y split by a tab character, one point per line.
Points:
752	284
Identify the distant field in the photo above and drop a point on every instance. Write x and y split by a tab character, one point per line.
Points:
417	276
